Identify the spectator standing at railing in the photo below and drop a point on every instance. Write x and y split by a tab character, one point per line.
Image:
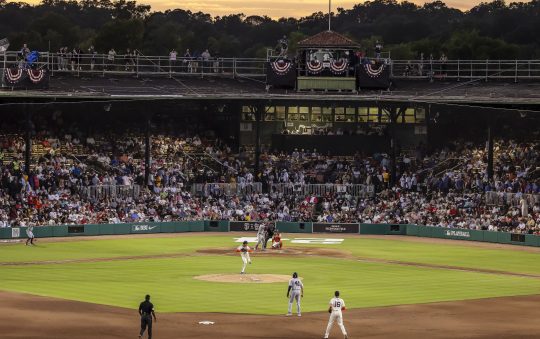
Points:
172	60
93	55
129	60
195	59
421	64
75	53
187	61
205	60
65	59
60	59
111	56
443	61
378	50
24	51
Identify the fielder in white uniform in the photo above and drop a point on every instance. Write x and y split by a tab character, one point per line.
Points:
296	291
30	235
244	254
261	236
337	305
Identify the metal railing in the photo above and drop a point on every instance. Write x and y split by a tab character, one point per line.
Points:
226	189
511	199
139	64
361	191
466	69
101	192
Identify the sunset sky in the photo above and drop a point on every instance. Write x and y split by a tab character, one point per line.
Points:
272	8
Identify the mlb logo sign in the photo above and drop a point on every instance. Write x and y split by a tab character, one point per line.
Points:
15	232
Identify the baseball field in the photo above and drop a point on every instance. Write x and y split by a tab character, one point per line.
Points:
393	286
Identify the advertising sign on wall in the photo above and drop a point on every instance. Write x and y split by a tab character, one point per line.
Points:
335	228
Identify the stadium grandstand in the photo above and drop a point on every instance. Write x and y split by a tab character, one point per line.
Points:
140	138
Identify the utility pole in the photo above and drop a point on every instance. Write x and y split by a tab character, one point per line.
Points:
329	15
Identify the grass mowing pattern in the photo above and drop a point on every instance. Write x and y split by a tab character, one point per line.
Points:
173	289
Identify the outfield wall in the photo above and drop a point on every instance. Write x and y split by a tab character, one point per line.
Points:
285	227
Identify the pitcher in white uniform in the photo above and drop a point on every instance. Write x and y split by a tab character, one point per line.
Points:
296	291
337	305
244	254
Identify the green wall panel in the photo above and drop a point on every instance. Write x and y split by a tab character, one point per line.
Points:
59	231
106	229
91	229
412	230
425	231
532	240
216	226
490	236
380	229
294	227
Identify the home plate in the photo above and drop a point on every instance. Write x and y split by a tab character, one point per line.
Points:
206	322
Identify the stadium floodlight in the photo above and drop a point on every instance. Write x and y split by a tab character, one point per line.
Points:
4	44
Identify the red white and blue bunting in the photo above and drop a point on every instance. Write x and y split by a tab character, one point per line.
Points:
18	78
314	66
13	75
281	67
36	75
374	72
339	66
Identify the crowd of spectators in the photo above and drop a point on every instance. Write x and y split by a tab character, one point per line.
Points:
77	59
448	188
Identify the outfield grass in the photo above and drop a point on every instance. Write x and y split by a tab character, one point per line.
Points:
170	280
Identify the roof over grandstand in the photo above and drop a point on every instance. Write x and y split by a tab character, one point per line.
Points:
328	39
211	88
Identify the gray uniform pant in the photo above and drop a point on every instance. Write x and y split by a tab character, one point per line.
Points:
294	295
260	240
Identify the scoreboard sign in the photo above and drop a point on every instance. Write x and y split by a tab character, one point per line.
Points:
245	226
335	228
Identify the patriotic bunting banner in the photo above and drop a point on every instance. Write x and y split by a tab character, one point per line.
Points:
18	78
281	73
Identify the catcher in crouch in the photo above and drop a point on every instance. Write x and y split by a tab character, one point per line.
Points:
277	243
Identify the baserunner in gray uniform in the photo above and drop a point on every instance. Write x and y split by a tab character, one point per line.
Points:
296	291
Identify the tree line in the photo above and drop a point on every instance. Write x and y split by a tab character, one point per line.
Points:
490	30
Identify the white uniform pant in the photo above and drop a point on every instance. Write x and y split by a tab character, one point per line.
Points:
30	234
294	295
245	259
260	241
337	317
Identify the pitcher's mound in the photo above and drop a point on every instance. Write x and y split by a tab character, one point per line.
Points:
244	278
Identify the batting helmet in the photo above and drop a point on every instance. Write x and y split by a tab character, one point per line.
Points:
295	275
336	293
245	242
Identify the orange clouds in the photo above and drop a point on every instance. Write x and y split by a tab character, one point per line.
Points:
271	8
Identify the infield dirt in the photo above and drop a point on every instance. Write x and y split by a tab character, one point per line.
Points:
27	316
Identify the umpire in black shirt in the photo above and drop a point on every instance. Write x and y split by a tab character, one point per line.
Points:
146	310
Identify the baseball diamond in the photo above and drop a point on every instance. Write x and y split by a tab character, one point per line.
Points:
381	279
370	171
